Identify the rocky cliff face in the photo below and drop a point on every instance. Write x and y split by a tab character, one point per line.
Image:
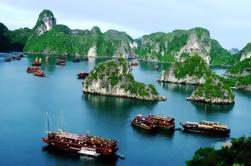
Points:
246	52
213	91
193	70
240	69
178	44
59	39
114	78
45	22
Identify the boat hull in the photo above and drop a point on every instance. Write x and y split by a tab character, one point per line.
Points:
206	131
76	148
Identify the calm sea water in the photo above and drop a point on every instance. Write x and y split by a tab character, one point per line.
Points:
25	99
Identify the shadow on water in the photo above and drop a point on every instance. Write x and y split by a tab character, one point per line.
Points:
115	105
179	88
150	66
154	133
211	108
70	158
204	135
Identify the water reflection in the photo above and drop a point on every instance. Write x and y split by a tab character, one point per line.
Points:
208	109
150	66
115	105
154	133
64	158
179	88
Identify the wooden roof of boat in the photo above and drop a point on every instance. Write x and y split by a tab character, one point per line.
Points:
83	137
161	117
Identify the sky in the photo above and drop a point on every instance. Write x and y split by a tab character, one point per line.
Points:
229	21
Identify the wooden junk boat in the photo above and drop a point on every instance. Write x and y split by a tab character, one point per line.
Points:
143	122
39	73
37	62
206	127
82	75
162	122
32	69
82	144
61	62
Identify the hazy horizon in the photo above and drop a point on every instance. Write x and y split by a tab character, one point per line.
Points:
227	21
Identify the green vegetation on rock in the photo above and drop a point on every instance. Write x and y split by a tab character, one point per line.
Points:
114	78
240	68
193	66
221	56
13	40
236	153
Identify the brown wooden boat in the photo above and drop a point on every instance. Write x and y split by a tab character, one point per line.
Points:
82	75
206	127
162	122
143	122
134	63
82	144
61	62
7	59
39	73
32	69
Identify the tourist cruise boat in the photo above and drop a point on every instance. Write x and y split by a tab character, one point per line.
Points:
207	127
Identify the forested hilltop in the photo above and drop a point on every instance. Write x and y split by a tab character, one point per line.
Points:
48	37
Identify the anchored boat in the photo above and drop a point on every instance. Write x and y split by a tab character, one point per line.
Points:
206	127
162	122
82	75
143	122
82	144
61	62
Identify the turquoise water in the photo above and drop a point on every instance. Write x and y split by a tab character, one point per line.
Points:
25	99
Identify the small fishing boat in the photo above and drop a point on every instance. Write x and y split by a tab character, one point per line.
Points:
61	62
143	122
32	69
7	59
206	127
82	75
76	60
134	63
39	73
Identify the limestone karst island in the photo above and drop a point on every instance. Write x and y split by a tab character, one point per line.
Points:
128	83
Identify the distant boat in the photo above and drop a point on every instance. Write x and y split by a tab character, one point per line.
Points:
39	73
82	75
37	62
206	127
76	60
7	59
32	69
61	62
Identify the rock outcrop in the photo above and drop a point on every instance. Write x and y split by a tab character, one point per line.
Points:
114	78
193	70
45	22
213	91
179	45
246	52
240	69
61	40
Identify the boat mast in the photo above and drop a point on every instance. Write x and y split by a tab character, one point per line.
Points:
48	122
